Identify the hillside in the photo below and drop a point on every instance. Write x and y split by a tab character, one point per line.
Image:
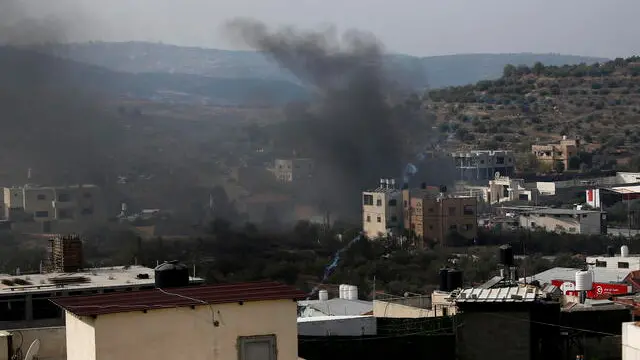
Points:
433	72
598	103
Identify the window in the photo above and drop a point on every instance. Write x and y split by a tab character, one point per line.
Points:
452	211
453	227
430	210
378	202
65	214
394	218
41	214
42	197
392	202
468	210
379	219
623	265
367	199
500	160
467	227
406	203
87	211
368	218
257	347
64	197
601	263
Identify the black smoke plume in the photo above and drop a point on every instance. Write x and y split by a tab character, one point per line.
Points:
352	131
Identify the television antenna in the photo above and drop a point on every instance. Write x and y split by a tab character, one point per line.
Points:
32	353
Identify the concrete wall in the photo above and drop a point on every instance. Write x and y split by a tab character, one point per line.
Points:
495	336
588	224
395	310
630	341
337	326
390	216
183	333
52	342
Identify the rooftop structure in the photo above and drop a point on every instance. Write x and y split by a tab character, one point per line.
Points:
479	165
589	222
505	294
337	326
154	299
600	275
335	307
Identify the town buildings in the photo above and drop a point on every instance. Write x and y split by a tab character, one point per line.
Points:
243	321
551	154
585	222
478	165
54	208
382	209
503	189
293	170
434	217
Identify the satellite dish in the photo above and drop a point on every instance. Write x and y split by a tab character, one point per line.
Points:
32	353
497	175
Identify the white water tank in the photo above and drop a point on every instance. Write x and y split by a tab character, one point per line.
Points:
624	251
584	281
343	290
352	292
323	295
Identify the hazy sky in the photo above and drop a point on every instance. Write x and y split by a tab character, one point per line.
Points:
418	27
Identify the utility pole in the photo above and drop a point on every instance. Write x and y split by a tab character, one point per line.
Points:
374	288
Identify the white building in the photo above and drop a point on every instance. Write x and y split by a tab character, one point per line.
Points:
605	197
613	262
630	341
503	189
586	222
382	209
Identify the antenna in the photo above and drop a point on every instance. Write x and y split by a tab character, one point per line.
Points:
32	353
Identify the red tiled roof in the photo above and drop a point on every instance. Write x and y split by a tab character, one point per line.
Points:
176	297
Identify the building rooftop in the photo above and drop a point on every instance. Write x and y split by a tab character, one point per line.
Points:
96	278
569	274
338	306
626	189
506	294
332	318
551	211
154	299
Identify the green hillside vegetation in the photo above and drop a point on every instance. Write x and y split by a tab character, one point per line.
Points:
600	103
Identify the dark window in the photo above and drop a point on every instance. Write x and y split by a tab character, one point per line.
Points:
453	227
87	211
42	214
623	265
499	160
392	202
394	218
42	197
601	263
379	202
368	218
367	199
406	203
65	214
468	210
430	210
64	197
45	309
257	347
452	211
379	219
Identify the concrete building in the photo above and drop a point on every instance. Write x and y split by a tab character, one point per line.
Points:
61	205
434	217
25	298
345	325
382	209
222	322
484	164
439	303
586	222
605	197
550	154
293	170
503	189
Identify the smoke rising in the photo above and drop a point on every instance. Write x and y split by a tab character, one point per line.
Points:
351	131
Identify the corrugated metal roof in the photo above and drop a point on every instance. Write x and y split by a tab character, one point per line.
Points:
177	297
507	294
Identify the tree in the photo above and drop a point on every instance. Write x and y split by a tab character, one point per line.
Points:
574	163
509	71
538	68
559	166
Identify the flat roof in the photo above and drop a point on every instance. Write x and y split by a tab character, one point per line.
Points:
563	211
154	299
86	279
506	294
332	318
338	306
625	189
600	275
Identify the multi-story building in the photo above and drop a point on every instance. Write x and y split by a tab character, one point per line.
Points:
77	204
293	170
503	189
480	165
587	222
434	217
381	209
551	154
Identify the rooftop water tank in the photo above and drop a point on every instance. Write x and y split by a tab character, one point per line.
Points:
444	274
454	279
323	295
610	251
624	251
352	293
343	290
584	280
171	274
506	255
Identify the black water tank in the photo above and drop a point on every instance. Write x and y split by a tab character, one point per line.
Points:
454	279
506	255
611	252
171	274
423	185
444	276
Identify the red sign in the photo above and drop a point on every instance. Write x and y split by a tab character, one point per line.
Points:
589	195
597	290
